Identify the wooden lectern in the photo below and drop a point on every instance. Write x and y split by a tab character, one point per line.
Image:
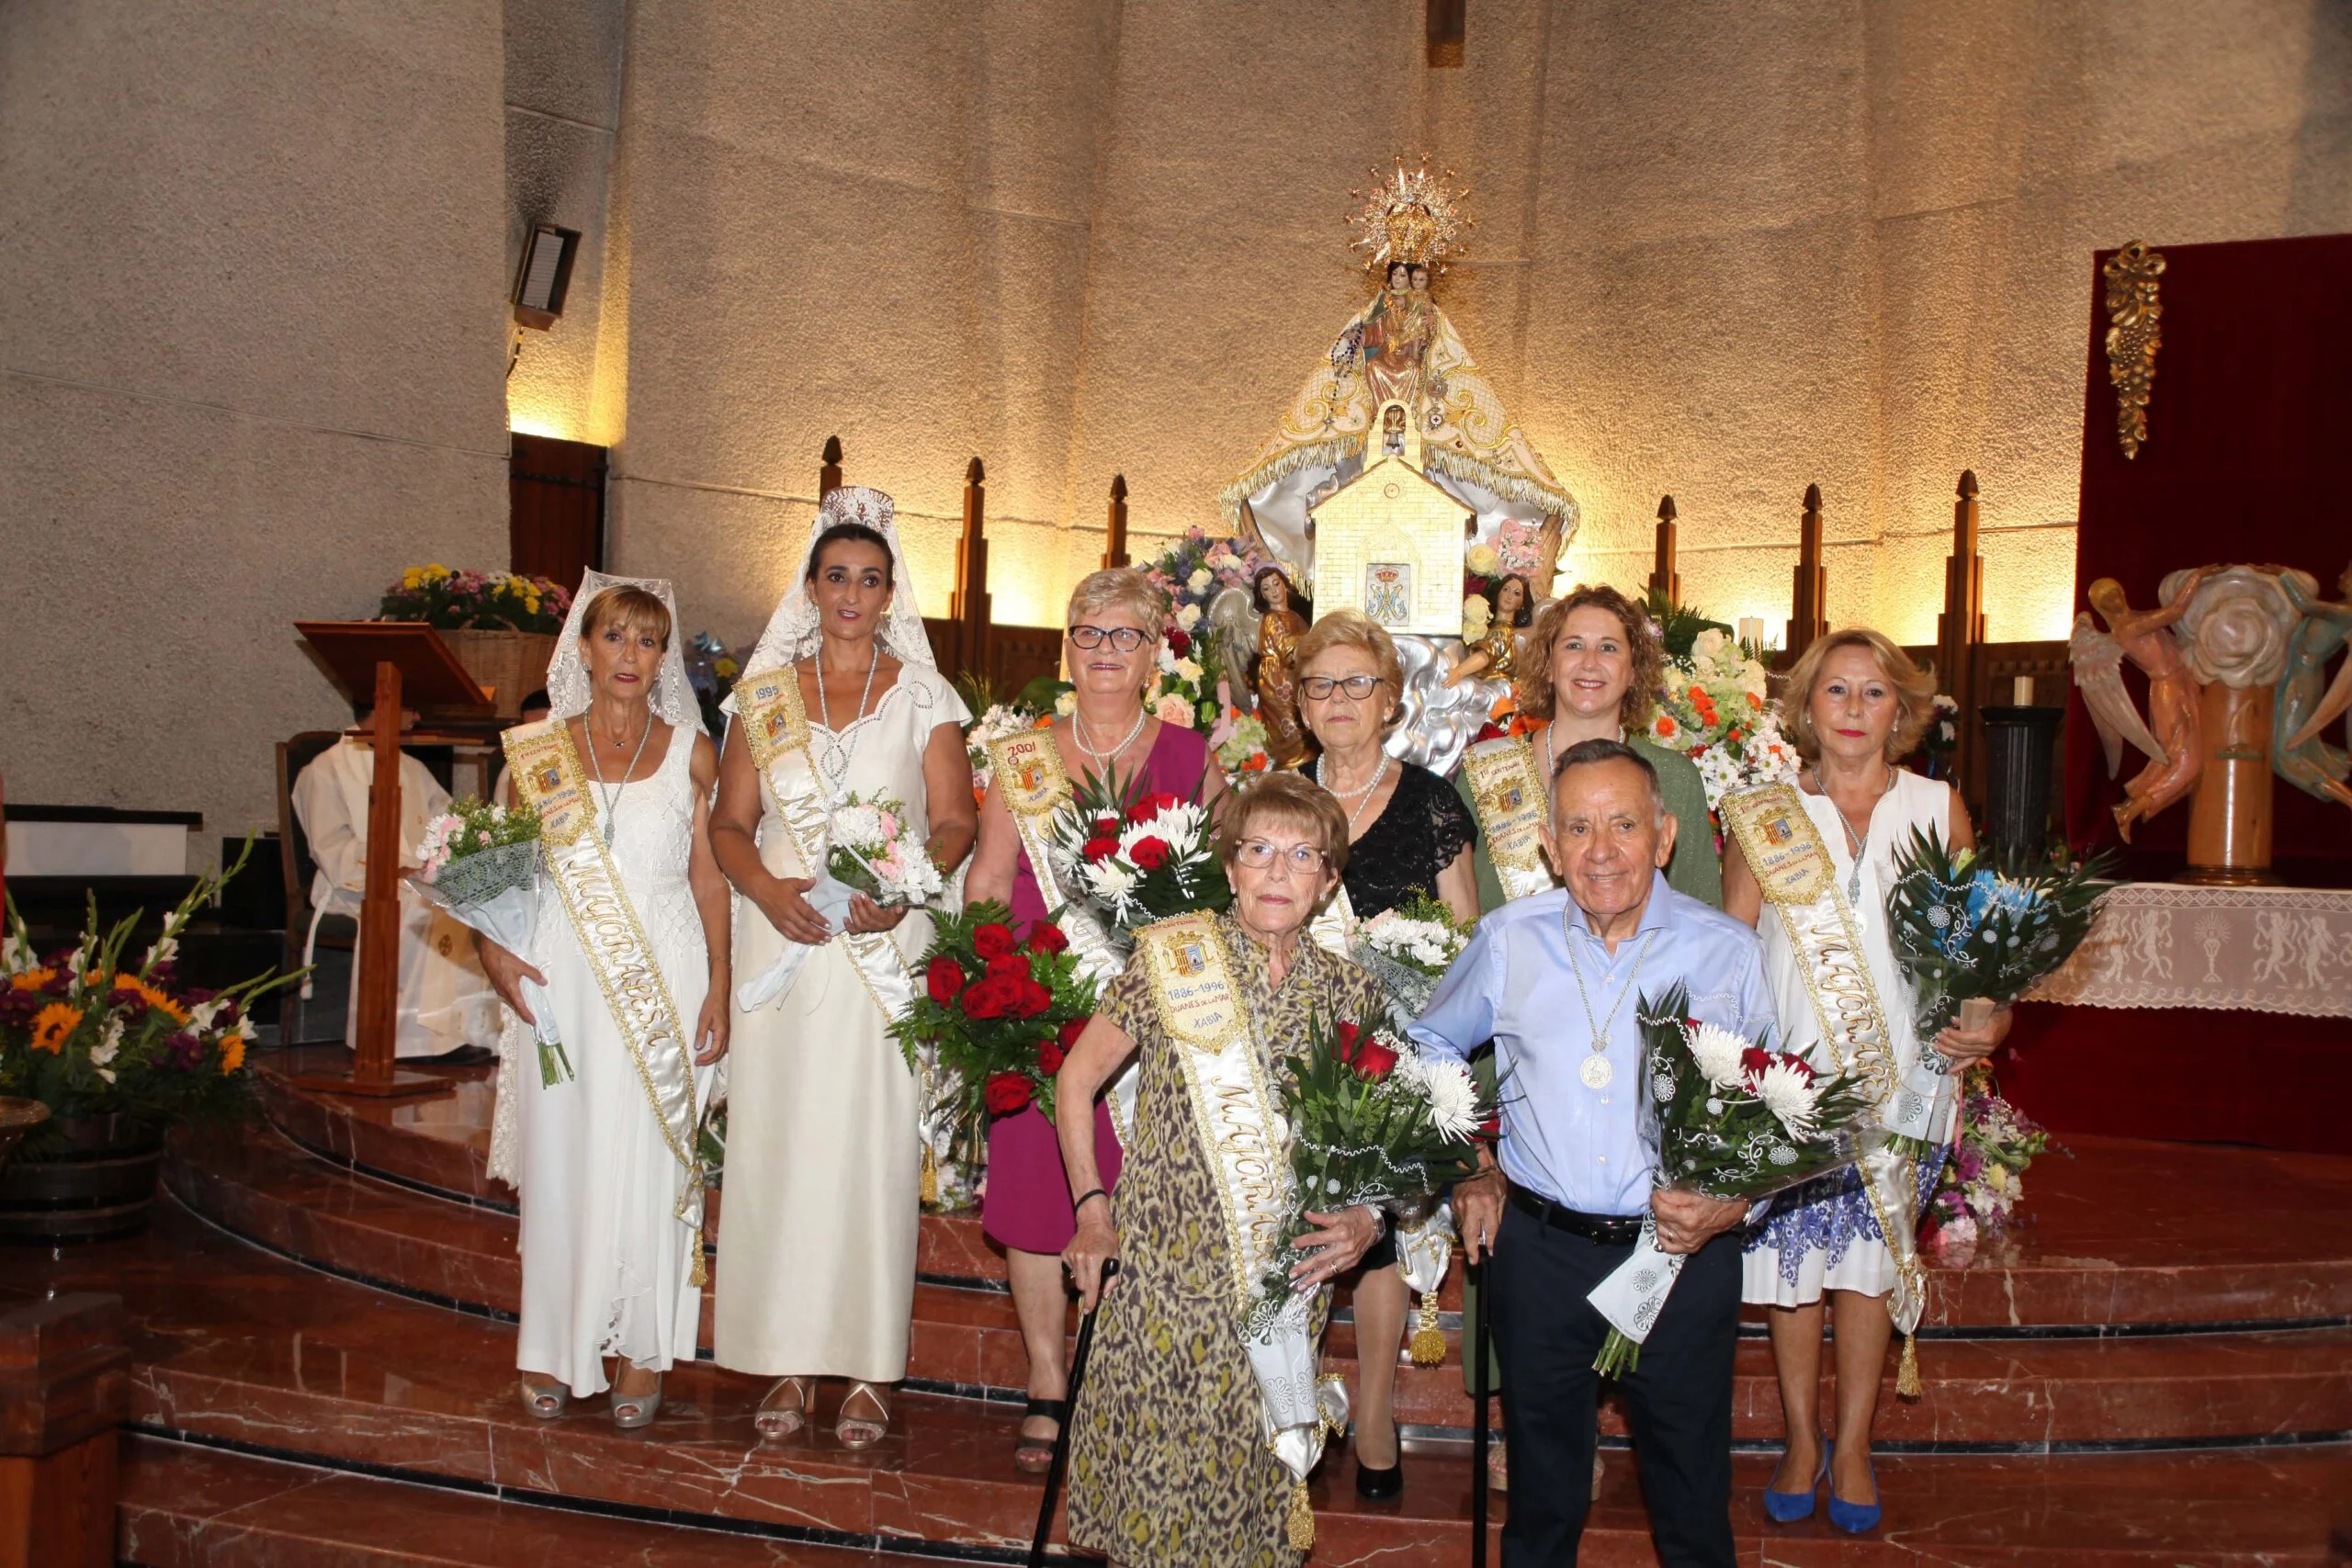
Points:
404	662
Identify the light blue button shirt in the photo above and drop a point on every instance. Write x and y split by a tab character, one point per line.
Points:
1577	1146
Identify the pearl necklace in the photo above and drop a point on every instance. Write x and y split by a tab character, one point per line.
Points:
1104	760
839	769
1364	796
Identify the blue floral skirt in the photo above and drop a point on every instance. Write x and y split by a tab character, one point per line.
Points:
1824	1235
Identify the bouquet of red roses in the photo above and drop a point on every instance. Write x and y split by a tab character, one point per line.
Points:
1135	857
998	1013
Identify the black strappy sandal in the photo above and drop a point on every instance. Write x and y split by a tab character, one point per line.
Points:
1035	1455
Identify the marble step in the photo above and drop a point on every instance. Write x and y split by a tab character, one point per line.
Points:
2117	1235
186	1506
237	1347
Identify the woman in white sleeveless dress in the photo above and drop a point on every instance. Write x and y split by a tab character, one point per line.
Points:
1854	702
824	1151
608	1262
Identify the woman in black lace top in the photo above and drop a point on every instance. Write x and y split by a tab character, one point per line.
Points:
1407	831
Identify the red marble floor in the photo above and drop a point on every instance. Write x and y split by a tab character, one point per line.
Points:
305	1373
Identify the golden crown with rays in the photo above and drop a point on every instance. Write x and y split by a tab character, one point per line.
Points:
1410	214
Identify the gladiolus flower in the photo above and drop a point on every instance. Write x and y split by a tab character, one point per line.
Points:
993	941
944	979
1006	1093
1047	937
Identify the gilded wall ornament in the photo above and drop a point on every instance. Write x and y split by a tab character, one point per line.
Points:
2132	338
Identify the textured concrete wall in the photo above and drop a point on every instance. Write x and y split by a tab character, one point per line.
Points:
1722	251
252	345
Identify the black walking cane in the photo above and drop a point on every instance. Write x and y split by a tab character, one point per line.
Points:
1069	1413
1480	1395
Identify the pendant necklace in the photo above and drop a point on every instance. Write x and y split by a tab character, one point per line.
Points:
837	769
1855	846
1595	1071
611	799
1104	760
1363	796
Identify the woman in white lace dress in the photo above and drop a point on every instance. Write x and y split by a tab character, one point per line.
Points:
824	1137
608	1257
1855	702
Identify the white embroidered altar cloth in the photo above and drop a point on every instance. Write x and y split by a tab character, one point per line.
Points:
2168	944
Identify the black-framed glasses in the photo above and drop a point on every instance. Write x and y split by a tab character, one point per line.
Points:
1126	639
1358	687
1257	854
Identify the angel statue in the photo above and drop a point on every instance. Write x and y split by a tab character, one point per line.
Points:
2172	736
2301	711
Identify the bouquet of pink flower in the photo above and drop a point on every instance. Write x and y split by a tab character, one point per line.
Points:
874	853
1730	1118
1135	857
482	867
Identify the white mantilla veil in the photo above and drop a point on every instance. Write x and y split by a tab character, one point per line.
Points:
793	634
568	690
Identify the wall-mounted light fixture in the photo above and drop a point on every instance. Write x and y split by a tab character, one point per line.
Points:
544	276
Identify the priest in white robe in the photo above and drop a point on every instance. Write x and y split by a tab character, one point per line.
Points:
444	1002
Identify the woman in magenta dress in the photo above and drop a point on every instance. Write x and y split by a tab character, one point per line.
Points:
1117	629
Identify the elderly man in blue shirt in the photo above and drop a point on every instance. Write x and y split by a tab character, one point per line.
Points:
1554	980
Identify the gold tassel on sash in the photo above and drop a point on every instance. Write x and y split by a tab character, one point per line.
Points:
1300	1526
1429	1341
929	1196
700	1274
1906	1373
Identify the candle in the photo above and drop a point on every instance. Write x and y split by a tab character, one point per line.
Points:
1751	631
2022	691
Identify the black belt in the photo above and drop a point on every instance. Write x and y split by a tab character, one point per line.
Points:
1609	1230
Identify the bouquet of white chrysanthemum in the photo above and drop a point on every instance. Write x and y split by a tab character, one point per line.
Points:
1137	857
1729	1118
875	855
1409	949
482	868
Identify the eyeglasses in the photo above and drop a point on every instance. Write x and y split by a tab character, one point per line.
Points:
1126	639
1358	687
1258	856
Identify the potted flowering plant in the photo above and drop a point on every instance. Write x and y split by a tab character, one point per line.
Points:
117	1052
502	627
997	1012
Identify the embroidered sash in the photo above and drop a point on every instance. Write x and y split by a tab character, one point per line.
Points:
1247	1142
1035	786
1514	805
1794	867
547	776
1334	930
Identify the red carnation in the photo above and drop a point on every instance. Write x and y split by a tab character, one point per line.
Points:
993	941
1047	937
1797	1064
1007	1092
985	999
1179	642
1374	1060
944	979
1150	854
1754	1060
1049	1057
1067	1038
1099	850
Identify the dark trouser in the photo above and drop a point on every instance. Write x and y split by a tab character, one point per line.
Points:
1679	1395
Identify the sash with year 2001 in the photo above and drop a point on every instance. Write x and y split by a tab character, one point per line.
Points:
548	777
1509	792
1034	787
1247	1142
1792	864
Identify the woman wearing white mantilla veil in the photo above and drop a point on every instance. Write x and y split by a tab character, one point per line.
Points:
604	1153
825	1141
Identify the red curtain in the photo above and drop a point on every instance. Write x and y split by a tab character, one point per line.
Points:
2249	417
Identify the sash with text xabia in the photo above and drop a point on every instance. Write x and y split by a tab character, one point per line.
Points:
1507	791
548	777
1793	866
1247	1142
1035	786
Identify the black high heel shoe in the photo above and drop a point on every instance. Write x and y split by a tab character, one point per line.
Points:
1380	1486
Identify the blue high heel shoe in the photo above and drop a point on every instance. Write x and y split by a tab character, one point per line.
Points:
1788	1508
1857	1518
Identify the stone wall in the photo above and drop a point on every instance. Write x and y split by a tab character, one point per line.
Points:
252	344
